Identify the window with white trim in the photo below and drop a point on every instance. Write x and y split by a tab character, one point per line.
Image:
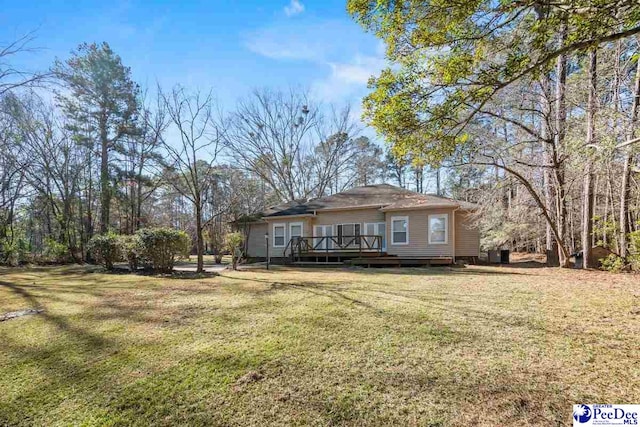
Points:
438	229
278	235
347	232
400	230
295	230
373	229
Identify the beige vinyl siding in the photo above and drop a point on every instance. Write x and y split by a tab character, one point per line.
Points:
467	241
256	246
279	252
467	236
418	245
356	216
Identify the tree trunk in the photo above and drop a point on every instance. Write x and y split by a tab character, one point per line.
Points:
551	248
560	131
587	198
199	237
625	192
105	190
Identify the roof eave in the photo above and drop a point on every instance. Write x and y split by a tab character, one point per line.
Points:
351	208
415	208
266	218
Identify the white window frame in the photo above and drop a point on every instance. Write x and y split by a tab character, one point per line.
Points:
446	228
273	233
398	218
317	237
384	225
293	224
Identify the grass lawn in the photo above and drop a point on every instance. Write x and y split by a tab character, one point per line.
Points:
472	346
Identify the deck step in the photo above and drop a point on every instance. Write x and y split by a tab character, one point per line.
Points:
317	264
399	261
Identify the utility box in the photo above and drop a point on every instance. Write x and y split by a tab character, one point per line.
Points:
579	259
494	257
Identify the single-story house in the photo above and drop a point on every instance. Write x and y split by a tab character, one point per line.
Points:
375	220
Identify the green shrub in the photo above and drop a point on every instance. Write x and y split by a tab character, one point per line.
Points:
56	252
613	263
634	256
132	250
14	253
161	246
233	243
106	249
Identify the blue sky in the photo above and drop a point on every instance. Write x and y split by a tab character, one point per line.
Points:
230	46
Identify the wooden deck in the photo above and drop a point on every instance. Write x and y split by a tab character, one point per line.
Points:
373	261
357	250
393	261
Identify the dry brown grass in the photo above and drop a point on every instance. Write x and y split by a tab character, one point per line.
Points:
473	346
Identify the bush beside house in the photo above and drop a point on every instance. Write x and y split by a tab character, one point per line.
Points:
234	244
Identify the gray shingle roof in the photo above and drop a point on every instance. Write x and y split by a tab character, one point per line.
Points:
385	196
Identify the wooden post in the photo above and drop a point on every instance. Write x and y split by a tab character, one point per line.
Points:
326	248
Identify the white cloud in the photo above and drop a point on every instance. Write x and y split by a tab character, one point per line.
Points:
344	57
294	48
310	40
295	7
348	80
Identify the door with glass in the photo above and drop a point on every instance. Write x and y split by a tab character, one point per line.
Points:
320	231
376	229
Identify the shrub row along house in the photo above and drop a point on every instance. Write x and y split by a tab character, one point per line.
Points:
373	224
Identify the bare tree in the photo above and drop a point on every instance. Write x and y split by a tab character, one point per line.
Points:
336	153
54	168
286	140
588	202
193	151
12	172
11	78
625	191
270	134
140	165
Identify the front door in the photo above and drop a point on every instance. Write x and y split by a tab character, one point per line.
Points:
319	231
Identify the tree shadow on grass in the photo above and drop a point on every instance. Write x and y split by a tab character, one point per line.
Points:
522	264
54	270
180	275
464	306
51	357
59	321
175	274
435	271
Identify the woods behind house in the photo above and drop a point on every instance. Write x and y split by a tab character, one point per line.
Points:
532	114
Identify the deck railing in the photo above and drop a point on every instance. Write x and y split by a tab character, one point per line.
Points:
327	245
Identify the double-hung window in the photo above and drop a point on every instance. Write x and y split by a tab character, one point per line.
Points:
278	235
438	229
399	230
